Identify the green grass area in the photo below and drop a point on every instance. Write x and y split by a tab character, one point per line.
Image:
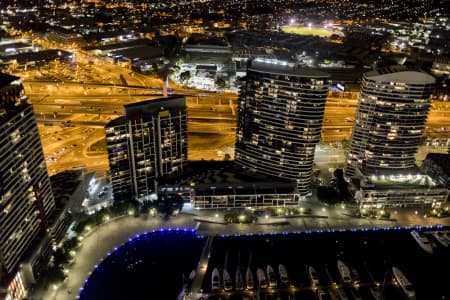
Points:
308	31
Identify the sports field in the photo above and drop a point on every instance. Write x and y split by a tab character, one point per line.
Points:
307	31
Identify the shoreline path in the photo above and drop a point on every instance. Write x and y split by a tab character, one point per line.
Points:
104	238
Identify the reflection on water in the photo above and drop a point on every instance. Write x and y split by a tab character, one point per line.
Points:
155	264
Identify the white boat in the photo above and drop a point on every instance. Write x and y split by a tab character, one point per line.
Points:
354	274
404	283
249	281
441	237
355	293
344	271
239	281
321	295
271	276
262	281
284	278
227	282
341	294
313	277
215	280
376	293
423	241
333	294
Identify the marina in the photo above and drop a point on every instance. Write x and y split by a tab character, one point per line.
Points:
369	256
404	283
423	241
441	237
284	278
348	276
344	271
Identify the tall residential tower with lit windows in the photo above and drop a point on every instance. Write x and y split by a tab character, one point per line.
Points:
281	110
26	199
388	128
390	120
149	142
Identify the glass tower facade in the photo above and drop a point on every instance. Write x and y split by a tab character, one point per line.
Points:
149	142
281	110
26	199
390	120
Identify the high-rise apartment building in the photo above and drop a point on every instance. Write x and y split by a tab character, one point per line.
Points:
390	120
149	142
26	199
281	110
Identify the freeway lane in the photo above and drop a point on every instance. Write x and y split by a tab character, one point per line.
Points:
212	119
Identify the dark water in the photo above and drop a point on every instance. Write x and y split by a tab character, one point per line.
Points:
153	265
149	267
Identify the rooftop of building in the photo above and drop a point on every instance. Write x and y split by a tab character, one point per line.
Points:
400	74
6	79
139	52
44	55
121	45
405	181
15	45
64	184
117	121
227	178
153	101
275	66
197	39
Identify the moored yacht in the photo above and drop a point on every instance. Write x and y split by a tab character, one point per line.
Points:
355	293
404	283
227	282
376	292
271	276
321	295
215	280
239	282
262	281
312	274
441	237
249	281
344	271
423	241
284	278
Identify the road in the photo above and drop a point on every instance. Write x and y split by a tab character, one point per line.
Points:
211	116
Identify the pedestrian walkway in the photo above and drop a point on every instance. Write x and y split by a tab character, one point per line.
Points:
103	239
196	287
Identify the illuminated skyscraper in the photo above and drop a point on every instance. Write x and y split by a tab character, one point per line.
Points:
281	110
26	199
390	120
149	142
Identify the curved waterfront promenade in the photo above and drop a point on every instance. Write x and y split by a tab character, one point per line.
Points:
102	239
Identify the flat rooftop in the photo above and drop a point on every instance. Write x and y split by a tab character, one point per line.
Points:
6	79
275	66
402	181
400	74
227	178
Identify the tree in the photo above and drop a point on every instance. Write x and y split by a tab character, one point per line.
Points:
220	83
61	256
341	184
185	76
53	275
168	204
71	244
328	195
